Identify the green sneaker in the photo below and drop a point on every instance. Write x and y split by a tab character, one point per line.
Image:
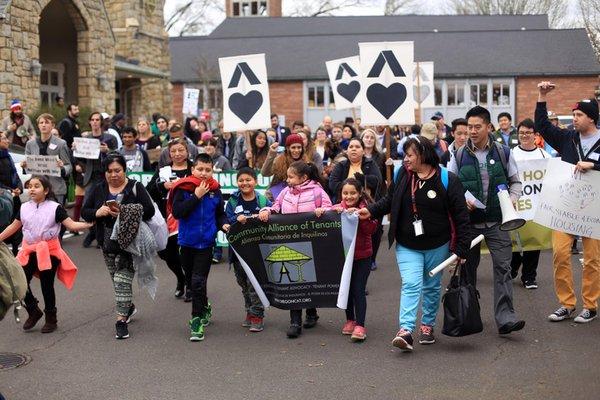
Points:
205	317
197	329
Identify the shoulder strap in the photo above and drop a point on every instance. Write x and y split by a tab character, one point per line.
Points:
444	177
134	189
459	156
502	152
233	201
397	170
262	201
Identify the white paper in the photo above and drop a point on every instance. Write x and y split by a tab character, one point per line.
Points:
88	148
569	202
344	78
469	196
246	104
42	165
165	173
190	101
423	84
387	81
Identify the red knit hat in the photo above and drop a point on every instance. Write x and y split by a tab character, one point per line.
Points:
293	138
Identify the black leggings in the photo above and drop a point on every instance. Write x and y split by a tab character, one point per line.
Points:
357	300
171	256
46	282
197	263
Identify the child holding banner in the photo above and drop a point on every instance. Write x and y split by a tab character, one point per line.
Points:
354	197
41	219
242	205
304	193
198	205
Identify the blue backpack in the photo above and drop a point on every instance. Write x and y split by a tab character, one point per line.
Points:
444	175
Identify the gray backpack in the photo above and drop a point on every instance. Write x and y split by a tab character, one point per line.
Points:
13	283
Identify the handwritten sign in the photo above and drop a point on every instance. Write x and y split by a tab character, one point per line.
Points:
42	165
568	201
190	101
88	148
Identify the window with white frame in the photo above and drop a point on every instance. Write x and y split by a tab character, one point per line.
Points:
501	94
478	93
210	98
316	95
52	83
248	8
455	94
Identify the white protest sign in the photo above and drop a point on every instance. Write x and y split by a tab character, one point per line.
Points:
386	79
190	101
423	90
531	174
42	165
246	104
344	78
86	148
569	202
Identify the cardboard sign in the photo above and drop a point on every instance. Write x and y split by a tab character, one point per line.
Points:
344	78
86	148
570	202
423	89
190	101
246	104
387	81
42	165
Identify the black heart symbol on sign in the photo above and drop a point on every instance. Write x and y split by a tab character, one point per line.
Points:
245	106
386	100
349	91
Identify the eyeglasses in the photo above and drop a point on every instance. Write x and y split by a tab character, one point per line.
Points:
526	133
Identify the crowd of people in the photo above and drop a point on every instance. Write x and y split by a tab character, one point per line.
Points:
343	167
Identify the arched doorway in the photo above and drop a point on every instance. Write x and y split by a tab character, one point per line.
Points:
58	54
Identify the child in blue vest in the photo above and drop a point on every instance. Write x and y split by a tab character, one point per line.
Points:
243	204
198	205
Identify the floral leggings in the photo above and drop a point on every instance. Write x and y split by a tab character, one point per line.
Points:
120	267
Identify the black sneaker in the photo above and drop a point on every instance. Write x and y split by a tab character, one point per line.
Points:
122	331
188	296
294	331
561	314
179	290
511	327
530	285
132	311
403	340
311	321
426	335
585	316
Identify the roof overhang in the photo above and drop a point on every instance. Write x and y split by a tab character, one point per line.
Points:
124	69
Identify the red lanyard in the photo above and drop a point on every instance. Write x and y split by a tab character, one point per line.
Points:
413	186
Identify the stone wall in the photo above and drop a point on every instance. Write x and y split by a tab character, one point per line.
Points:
19	48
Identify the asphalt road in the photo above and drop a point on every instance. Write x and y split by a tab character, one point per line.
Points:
82	360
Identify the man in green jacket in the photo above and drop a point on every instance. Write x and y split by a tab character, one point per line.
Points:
507	134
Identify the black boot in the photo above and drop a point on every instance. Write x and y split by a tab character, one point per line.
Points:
51	323
35	314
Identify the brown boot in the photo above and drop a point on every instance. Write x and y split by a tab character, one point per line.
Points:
50	325
35	314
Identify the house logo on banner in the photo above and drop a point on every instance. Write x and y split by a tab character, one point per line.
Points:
344	75
388	97
246	104
423	90
289	263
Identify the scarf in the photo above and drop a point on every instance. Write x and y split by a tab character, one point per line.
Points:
130	217
189	184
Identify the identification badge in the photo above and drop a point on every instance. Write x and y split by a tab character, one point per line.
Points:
52	146
594	156
418	225
239	209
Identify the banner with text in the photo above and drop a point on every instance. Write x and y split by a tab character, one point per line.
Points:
569	201
298	260
42	165
532	174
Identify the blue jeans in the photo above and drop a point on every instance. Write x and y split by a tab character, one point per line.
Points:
414	268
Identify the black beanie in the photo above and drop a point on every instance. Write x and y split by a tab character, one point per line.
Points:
589	107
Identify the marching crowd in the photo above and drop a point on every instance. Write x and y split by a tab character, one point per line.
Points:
343	167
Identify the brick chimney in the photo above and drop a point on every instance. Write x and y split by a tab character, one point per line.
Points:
252	8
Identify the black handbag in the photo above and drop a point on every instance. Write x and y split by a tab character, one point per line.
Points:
462	315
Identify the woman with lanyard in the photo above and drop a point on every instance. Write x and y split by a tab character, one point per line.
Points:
426	202
356	166
527	150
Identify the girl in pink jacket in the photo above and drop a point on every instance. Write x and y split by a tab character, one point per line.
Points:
303	194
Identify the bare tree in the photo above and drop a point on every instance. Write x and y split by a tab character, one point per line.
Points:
395	7
590	15
193	17
323	7
556	9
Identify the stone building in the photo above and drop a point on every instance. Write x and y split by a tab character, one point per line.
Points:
109	55
495	61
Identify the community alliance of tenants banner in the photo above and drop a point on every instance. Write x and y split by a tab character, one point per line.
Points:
298	260
570	202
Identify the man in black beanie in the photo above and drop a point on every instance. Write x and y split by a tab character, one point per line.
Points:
580	147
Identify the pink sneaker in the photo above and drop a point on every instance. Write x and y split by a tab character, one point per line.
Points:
348	327
359	334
